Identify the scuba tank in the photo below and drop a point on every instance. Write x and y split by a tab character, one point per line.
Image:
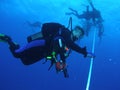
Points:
48	30
35	36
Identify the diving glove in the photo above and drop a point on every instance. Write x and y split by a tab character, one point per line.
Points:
91	55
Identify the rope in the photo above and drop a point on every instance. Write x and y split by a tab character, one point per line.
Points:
70	24
91	62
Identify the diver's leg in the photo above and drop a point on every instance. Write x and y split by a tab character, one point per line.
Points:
12	45
88	27
32	52
29	54
35	43
100	30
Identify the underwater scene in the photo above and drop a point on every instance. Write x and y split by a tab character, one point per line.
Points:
59	45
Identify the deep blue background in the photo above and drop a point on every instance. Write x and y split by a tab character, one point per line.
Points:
15	76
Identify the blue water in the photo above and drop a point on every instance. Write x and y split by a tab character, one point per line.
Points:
15	76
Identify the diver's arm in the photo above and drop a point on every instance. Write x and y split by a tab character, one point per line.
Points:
78	49
91	4
72	45
74	12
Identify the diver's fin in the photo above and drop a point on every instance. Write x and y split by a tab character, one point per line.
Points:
8	40
4	38
1	35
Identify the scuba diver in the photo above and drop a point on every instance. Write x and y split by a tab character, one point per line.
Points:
54	42
92	18
34	25
97	20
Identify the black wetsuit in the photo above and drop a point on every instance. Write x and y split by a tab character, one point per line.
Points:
65	33
33	53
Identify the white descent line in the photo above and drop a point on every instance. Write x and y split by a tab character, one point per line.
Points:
91	62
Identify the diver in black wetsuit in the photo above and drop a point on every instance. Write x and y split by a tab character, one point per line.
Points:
54	38
91	17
